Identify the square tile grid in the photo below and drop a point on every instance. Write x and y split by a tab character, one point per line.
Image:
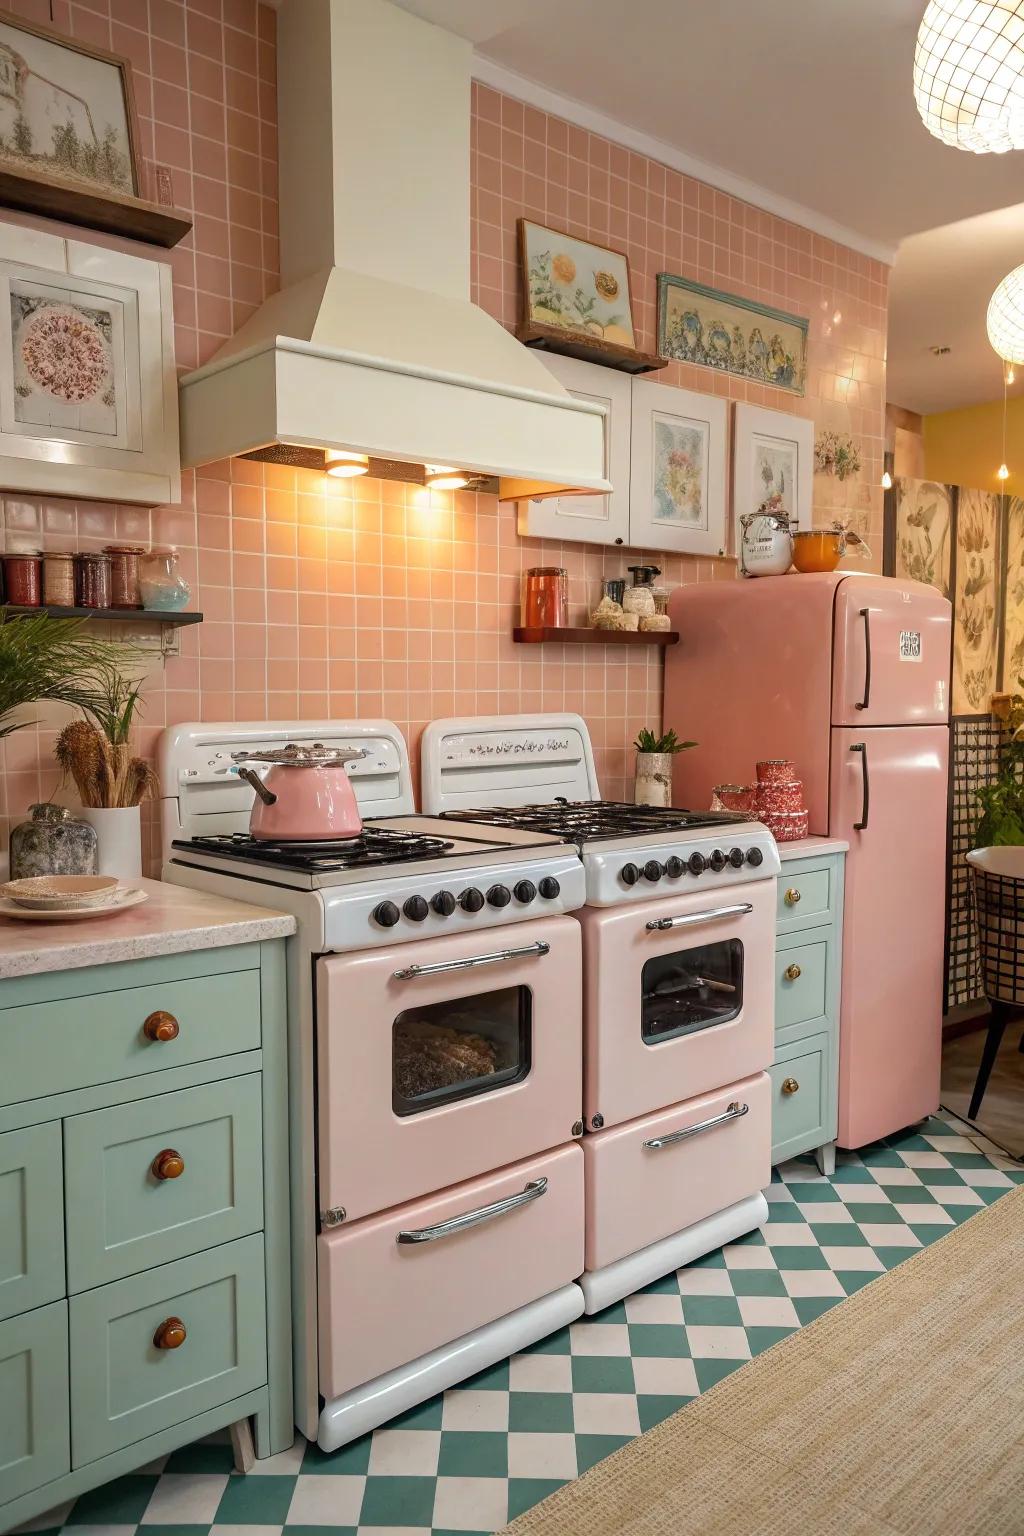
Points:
480	1454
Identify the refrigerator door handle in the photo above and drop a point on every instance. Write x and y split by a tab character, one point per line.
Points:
865	614
865	805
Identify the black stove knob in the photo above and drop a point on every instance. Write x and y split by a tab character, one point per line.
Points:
653	870
696	863
718	860
415	909
755	857
629	874
499	896
736	858
443	903
471	900
524	891
674	867
387	914
549	887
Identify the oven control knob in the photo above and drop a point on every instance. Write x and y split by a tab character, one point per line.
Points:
549	888
387	914
696	863
415	909
674	867
443	903
471	900
499	896
630	874
755	857
718	860
524	891
653	870
736	858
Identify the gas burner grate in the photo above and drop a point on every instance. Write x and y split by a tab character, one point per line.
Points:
374	846
587	820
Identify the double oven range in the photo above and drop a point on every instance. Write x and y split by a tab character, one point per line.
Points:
502	1115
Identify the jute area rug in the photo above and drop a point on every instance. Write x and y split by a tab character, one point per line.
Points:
900	1412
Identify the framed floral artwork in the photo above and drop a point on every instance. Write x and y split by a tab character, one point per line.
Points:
773	462
677	470
702	325
922	539
976	602
1013	621
88	397
575	285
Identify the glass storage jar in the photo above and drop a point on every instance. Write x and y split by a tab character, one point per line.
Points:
161	584
22	580
545	602
124	575
93	580
58	578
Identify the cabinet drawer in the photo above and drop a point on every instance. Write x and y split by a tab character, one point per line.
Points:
74	1043
805	897
800	975
128	1207
124	1386
800	1098
33	1401
31	1218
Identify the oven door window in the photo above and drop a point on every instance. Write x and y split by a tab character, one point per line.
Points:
453	1050
690	990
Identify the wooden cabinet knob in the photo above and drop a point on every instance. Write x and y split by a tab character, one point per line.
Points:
792	896
793	972
171	1334
161	1026
167	1164
790	1085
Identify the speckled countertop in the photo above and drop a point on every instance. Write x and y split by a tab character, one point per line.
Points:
807	847
173	921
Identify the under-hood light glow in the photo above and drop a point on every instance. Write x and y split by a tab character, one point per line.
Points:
342	466
445	477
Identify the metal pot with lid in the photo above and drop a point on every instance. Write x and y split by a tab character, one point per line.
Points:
306	795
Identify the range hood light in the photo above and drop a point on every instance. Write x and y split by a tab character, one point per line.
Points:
445	477
342	465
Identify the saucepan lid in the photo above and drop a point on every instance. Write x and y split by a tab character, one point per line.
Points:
293	756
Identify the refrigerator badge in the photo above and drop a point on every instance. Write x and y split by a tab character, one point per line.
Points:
910	645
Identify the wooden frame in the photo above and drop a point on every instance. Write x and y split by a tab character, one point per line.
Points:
754	422
657	405
704	355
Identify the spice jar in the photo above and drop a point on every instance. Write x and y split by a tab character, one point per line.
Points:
124	575
58	578
545	602
22	580
93	580
53	842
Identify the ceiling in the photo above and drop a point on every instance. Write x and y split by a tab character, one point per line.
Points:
810	102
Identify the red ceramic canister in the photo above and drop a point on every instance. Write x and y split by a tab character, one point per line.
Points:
780	797
787	826
775	770
736	797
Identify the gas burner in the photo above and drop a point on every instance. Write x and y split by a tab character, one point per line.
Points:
374	847
584	821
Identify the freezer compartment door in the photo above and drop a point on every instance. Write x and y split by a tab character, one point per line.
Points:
892	653
889	791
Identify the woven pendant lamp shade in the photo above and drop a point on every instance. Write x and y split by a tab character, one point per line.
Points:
969	74
1005	321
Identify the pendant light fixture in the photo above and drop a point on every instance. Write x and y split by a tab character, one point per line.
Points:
1005	319
969	74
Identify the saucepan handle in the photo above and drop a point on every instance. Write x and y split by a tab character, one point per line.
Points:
253	779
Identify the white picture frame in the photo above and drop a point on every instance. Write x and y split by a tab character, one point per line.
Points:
88	393
589	519
772	444
677	470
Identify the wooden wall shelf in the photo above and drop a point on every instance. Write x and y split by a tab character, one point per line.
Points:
662	637
131	615
115	213
589	349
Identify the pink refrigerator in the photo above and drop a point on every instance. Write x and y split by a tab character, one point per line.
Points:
848	675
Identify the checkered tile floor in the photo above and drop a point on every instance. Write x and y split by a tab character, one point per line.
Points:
484	1452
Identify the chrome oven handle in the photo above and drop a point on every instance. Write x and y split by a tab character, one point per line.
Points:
693	918
528	952
736	1111
533	1191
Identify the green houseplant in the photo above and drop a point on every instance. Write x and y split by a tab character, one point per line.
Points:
45	658
654	754
1001	823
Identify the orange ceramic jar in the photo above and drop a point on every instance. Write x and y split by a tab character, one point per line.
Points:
818	549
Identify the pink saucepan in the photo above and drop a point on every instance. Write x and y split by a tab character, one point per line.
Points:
306	796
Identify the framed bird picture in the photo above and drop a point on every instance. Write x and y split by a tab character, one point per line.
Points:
718	330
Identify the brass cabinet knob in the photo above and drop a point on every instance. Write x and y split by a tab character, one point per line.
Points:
167	1164
792	896
793	972
171	1334
161	1026
790	1085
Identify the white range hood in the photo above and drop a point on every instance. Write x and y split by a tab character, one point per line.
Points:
372	345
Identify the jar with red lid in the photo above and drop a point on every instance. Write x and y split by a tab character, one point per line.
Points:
93	580
124	574
22	580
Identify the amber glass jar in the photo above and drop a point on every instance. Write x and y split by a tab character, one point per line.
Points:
93	572
22	580
124	575
58	578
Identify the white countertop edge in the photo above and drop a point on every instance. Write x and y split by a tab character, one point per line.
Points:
807	847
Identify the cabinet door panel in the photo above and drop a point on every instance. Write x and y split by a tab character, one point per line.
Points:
31	1218
592	519
33	1400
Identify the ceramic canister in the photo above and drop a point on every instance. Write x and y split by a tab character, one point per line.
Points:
766	544
52	843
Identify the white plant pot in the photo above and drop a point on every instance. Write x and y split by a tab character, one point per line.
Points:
653	783
119	835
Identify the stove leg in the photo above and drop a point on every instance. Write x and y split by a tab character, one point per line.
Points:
825	1157
242	1446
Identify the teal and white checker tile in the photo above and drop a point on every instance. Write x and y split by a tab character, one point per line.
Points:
484	1452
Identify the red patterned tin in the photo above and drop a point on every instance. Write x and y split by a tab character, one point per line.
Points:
776	798
775	770
787	826
736	797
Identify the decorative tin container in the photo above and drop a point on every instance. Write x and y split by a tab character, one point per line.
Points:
775	770
735	797
787	826
653	782
780	798
53	842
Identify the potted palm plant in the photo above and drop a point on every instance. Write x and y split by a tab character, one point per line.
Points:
654	754
111	780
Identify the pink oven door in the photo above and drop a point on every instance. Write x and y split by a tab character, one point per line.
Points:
442	1059
891	655
678	998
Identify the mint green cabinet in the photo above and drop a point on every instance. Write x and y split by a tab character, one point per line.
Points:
801	1077
33	1390
31	1207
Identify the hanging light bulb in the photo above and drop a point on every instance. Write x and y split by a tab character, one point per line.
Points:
342	465
1005	319
886	480
445	477
969	74
1002	473
1009	374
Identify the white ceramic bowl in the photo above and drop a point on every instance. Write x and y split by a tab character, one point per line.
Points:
62	893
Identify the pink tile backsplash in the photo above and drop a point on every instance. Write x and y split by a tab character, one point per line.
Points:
370	598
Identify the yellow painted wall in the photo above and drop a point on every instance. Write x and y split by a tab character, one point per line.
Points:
965	447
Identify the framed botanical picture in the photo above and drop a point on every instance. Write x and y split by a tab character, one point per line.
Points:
575	287
772	461
975	603
1013	621
677	470
702	325
923	533
88	397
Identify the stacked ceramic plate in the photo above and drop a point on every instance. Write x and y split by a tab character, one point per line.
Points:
55	898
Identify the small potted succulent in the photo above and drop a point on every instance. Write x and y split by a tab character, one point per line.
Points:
654	754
